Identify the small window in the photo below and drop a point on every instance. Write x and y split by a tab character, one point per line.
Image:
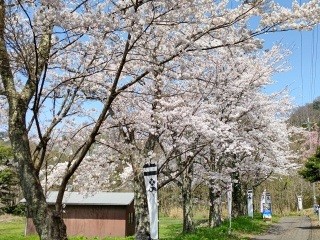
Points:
131	218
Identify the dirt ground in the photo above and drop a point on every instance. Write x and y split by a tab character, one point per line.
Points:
315	233
9	218
293	228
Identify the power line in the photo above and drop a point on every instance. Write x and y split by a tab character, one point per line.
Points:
312	81
301	65
316	58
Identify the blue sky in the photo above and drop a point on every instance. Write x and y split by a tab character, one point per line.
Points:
303	80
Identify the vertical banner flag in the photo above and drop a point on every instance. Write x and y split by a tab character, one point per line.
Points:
263	200
150	180
250	202
229	199
299	202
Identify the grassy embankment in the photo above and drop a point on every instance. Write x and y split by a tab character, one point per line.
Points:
242	228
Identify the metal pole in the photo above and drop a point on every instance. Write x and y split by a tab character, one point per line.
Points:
318	216
314	193
313	184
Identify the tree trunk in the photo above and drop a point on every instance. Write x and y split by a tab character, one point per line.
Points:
239	201
215	208
56	226
186	190
141	208
49	224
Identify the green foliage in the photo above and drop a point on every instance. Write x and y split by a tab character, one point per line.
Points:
316	104
299	117
17	210
5	153
311	169
8	181
8	186
6	177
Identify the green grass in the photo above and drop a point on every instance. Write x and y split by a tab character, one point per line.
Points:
242	228
14	229
169	227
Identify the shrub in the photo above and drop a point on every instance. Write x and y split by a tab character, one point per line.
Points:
17	210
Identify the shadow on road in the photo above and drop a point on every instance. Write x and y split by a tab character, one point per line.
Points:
311	227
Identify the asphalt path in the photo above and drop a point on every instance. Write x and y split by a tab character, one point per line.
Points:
292	228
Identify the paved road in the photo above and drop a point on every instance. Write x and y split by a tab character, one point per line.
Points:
292	228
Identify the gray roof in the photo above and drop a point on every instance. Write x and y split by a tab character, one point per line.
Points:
99	198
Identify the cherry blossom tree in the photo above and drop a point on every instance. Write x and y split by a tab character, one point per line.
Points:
177	125
256	143
63	64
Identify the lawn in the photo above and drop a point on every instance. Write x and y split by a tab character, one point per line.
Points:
242	228
12	227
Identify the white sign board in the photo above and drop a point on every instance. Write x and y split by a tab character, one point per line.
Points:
262	201
250	202
300	207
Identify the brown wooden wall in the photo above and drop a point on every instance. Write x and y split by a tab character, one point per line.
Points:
96	221
130	227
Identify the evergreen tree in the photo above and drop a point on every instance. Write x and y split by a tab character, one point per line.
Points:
311	170
8	179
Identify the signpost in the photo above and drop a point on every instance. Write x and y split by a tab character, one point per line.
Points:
265	205
300	207
150	179
267	212
316	211
250	202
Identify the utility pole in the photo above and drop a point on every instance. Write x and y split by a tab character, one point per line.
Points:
313	184
314	193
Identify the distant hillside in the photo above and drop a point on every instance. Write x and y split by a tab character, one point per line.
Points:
300	115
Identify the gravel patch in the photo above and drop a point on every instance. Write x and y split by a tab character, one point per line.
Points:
290	228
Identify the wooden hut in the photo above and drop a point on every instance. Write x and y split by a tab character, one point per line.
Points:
100	215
